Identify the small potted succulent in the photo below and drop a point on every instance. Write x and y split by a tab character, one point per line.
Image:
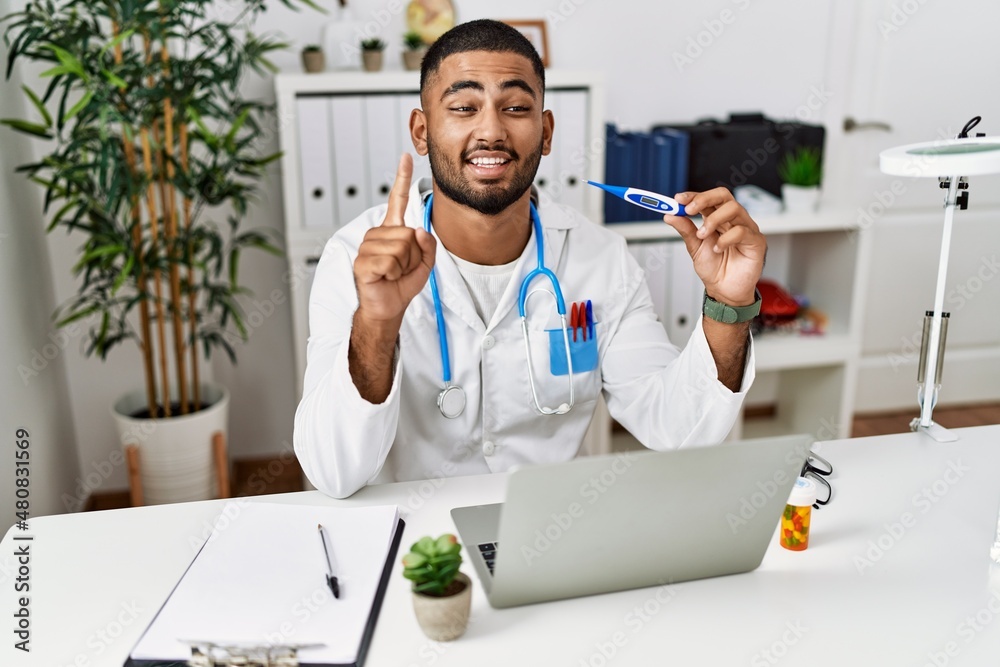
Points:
442	595
801	172
313	59
371	54
413	51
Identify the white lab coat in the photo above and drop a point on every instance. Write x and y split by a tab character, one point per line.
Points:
665	397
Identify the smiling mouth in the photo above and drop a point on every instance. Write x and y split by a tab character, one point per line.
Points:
488	162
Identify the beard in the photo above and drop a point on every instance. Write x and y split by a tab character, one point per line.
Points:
491	198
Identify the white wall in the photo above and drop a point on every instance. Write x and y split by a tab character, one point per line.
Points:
33	384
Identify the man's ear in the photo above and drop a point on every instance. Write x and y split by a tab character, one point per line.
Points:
548	125
418	131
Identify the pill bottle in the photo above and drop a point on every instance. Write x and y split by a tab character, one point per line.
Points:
796	518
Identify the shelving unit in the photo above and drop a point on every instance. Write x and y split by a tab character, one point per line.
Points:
808	379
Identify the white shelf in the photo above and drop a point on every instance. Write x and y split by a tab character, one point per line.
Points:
785	223
780	351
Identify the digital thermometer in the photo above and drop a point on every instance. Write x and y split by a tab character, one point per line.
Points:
644	198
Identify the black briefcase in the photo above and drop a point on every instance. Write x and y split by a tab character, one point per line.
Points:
746	149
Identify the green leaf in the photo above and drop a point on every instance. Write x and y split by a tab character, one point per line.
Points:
58	69
424	546
237	124
414	560
79	106
26	127
80	314
59	214
447	544
114	79
117	40
105	319
234	261
271	67
123	274
38	105
97	253
68	61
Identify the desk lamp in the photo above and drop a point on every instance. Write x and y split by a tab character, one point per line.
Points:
951	161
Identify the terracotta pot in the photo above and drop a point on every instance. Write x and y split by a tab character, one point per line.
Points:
444	619
313	61
372	60
412	59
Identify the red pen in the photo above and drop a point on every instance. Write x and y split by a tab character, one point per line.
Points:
574	318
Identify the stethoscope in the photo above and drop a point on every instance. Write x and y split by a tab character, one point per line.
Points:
451	401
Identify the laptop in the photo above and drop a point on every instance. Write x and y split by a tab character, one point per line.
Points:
610	523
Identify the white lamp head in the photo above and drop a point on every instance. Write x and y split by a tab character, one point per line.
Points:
971	156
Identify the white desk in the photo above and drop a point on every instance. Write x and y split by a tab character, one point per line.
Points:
869	590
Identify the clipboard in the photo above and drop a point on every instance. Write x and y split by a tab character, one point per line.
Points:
256	593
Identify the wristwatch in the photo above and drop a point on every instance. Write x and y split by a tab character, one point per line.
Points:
721	312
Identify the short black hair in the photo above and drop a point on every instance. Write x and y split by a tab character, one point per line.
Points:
480	35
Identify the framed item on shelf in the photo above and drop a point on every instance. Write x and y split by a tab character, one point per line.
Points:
430	18
534	30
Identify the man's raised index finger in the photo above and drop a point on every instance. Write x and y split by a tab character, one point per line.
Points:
400	193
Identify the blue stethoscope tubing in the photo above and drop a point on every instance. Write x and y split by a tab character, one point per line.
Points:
451	401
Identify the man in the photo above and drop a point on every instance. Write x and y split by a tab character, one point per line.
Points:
370	408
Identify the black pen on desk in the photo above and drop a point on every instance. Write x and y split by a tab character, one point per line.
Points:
331	579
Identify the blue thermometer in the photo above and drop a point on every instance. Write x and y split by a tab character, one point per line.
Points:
654	202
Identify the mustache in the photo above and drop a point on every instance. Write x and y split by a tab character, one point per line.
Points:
497	148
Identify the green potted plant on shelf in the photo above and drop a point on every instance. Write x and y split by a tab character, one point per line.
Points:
801	172
371	54
151	160
442	596
414	50
313	59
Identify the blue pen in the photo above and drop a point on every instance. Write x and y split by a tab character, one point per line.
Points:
653	201
590	319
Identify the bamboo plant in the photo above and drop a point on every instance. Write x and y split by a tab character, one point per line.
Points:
150	143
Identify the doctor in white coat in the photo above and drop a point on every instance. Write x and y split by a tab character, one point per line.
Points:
375	371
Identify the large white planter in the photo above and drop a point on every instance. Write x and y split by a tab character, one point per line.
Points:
175	454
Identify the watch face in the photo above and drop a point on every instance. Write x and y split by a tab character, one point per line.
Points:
430	18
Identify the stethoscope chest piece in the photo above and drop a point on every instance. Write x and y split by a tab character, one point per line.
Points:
451	401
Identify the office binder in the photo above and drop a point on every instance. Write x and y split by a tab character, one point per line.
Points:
312	118
571	128
256	593
655	161
677	180
350	157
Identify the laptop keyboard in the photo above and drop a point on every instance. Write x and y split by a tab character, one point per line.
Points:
488	550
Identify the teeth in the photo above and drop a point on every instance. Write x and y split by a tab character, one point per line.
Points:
487	161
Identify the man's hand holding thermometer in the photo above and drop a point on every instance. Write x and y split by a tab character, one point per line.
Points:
728	254
727	250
